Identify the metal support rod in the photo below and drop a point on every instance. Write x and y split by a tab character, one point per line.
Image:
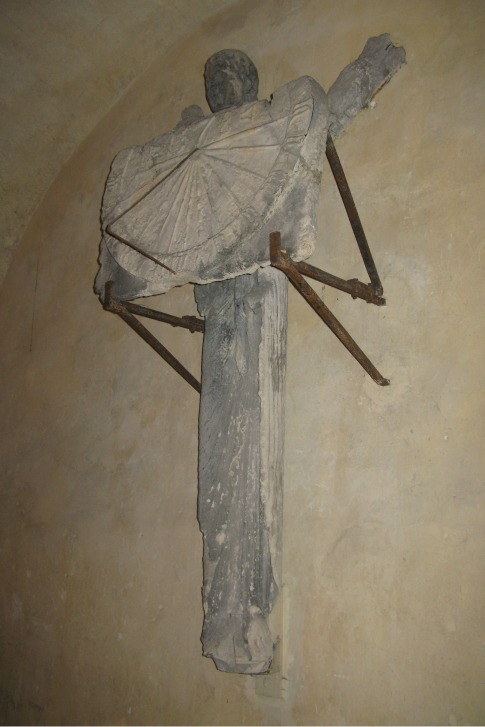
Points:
118	307
353	215
192	323
281	260
354	287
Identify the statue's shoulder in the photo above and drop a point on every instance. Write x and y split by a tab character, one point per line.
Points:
300	89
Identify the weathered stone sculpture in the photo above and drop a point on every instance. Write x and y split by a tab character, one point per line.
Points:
198	205
241	430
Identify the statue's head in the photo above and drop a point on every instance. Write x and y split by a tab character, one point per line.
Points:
231	79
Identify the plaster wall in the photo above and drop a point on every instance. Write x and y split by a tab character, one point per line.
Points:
64	64
384	500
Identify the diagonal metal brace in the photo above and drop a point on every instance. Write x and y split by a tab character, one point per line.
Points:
282	261
353	215
190	322
126	310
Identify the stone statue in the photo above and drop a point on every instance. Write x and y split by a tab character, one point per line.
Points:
198	205
241	430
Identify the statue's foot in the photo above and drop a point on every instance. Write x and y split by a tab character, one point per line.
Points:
249	653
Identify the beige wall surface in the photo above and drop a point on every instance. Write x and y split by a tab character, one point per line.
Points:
384	615
64	63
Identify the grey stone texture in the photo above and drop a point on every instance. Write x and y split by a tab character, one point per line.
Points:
241	437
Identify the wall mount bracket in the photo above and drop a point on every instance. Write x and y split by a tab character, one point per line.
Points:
127	312
372	292
295	271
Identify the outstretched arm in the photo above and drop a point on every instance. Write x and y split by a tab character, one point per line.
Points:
361	80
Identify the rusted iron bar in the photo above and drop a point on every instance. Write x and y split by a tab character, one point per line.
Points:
118	307
281	260
353	215
354	287
190	322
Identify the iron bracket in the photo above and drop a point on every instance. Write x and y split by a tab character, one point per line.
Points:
282	261
294	271
127	312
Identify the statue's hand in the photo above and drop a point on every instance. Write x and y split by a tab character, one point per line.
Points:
361	80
